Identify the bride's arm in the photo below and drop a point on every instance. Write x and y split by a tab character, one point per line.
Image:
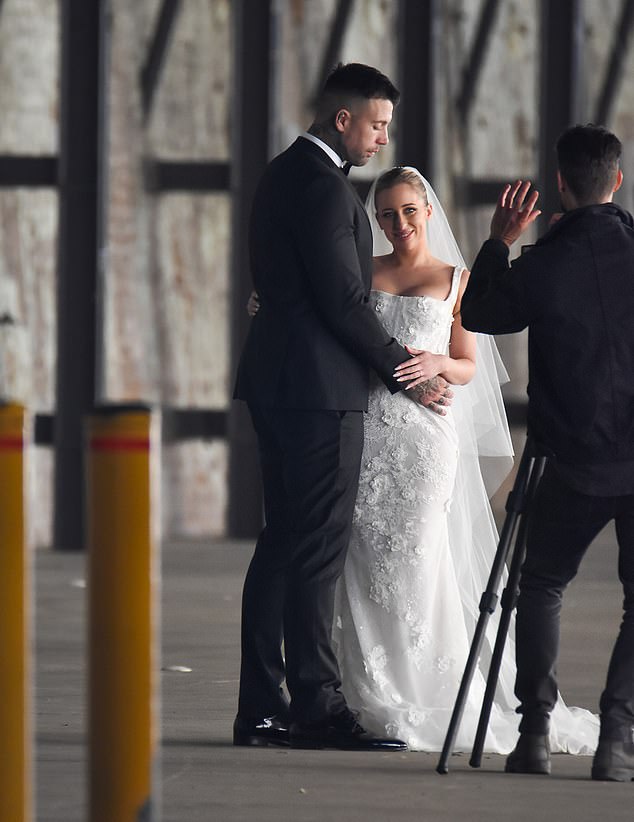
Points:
457	368
462	343
460	365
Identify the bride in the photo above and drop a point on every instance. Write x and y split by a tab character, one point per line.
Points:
423	536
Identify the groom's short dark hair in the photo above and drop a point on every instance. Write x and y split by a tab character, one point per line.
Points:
354	80
588	160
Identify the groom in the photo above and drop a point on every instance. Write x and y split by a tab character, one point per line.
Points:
304	374
574	289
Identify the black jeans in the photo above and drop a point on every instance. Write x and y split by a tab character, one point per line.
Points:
310	470
562	523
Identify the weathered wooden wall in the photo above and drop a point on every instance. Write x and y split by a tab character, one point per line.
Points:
165	262
29	78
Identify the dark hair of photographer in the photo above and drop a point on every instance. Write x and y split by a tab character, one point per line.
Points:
588	161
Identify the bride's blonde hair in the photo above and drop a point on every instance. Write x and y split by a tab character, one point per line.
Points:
398	175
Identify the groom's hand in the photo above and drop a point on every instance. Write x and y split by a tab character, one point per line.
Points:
434	394
253	306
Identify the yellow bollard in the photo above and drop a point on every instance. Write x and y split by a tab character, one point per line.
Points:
122	474
15	628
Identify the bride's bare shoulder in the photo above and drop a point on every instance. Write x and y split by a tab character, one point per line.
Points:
441	266
382	272
384	261
382	266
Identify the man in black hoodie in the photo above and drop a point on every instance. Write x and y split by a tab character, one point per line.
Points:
574	290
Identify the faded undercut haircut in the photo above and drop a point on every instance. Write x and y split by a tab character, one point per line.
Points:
588	160
353	81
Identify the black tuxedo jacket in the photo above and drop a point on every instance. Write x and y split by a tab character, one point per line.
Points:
574	289
315	336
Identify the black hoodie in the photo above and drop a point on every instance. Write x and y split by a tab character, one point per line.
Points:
574	289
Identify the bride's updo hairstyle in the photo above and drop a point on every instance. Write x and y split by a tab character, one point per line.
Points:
396	176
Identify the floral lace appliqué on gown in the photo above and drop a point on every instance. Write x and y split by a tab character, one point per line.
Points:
403	627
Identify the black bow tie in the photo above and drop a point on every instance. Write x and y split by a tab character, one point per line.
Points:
346	168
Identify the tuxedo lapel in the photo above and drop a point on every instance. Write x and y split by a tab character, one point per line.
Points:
306	147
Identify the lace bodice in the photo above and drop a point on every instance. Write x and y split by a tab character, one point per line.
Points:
423	322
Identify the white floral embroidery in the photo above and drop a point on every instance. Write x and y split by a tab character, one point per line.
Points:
389	417
415	717
405	481
377	658
405	486
444	663
392	730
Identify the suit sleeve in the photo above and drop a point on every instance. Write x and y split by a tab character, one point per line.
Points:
325	236
494	301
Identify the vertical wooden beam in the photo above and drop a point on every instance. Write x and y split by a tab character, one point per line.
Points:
473	66
332	52
561	90
417	39
153	65
616	65
251	98
77	260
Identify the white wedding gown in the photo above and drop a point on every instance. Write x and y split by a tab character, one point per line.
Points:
422	544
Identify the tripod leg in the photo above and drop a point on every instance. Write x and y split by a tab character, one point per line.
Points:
507	602
488	601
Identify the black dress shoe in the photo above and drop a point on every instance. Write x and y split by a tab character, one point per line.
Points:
531	755
614	760
342	732
271	730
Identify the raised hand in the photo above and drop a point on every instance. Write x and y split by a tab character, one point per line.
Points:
514	212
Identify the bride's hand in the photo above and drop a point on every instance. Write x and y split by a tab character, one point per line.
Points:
421	367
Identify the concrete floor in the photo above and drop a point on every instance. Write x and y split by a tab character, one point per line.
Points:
204	778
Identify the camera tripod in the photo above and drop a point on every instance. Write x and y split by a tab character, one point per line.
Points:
529	472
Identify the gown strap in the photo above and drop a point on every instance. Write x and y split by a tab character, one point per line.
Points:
455	285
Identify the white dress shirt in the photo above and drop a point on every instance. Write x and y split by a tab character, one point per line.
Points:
324	147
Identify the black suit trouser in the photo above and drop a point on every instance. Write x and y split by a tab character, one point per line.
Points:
310	470
562	524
